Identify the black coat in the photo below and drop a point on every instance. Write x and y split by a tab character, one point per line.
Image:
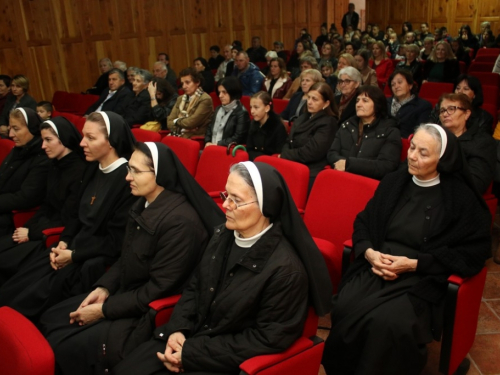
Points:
354	21
161	111
117	103
309	141
288	113
415	68
257	54
100	86
267	139
26	101
236	128
258	306
450	72
208	81
349	111
411	114
138	110
379	150
62	199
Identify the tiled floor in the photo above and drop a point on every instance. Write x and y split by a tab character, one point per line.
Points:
485	353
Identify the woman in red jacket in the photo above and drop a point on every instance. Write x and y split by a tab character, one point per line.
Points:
381	63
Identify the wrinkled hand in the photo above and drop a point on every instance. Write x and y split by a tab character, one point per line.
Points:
60	258
86	315
172	358
152	89
389	267
340	165
61	246
20	235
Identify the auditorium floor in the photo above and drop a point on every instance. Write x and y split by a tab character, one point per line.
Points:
485	353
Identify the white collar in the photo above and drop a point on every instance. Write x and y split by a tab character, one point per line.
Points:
427	183
249	242
114	165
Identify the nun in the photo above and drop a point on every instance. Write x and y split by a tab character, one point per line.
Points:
91	242
167	231
423	224
250	293
23	173
61	143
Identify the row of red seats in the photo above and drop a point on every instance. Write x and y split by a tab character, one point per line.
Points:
73	103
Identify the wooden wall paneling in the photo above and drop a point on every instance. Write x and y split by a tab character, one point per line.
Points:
316	16
489	11
255	27
177	43
290	33
376	13
220	25
8	25
397	13
241	22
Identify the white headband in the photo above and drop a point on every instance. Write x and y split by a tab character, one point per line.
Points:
154	153
106	121
24	114
257	181
444	138
53	126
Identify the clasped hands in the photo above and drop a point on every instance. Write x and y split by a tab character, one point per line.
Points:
387	266
90	309
20	235
60	256
172	358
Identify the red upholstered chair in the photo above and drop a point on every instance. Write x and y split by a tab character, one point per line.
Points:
296	176
334	202
84	102
431	91
404	150
463	67
488	51
187	151
215	99
20	217
51	236
213	168
490	93
279	105
23	349
245	100
76	120
487	78
6	146
142	135
60	101
486	58
481	67
163	309
261	64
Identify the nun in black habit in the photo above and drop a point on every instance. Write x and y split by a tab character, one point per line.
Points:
91	242
250	292
61	143
422	225
23	173
167	231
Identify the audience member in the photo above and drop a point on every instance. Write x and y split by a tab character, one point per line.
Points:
297	104
117	98
377	34
424	31
269	56
368	75
327	55
338	45
359	146
444	34
279	48
105	66
307	62
381	64
487	40
277	82
193	111
249	75
267	135
393	45
163	98
485	26
5	81
349	81
208	82
120	65
345	60
131	72
428	46
496	67
215	58
328	76
411	39
351	18
412	64
256	53
350	48
19	87
171	76
323	37
461	53
313	131
44	110
405	106
407	27
138	110
441	66
302	50
468	39
222	70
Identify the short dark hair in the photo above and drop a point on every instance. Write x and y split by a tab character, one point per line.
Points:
197	77
163	86
164	54
203	61
46	105
378	98
6	79
232	86
120	73
237	43
407	76
475	85
215	48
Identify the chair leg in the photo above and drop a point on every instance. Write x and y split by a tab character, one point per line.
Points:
463	368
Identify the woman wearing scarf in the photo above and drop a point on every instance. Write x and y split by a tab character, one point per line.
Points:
167	231
231	121
61	143
421	226
91	242
250	293
193	111
23	173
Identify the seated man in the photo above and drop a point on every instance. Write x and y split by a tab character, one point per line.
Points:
215	58
228	57
171	76
249	75
117	98
257	53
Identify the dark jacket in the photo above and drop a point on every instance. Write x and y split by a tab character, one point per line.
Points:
411	114
236	128
100	86
208	81
251	79
450	72
379	150
267	139
257	54
26	101
117	103
480	152
349	111
354	21
229	314
138	110
214	63
415	68
462	242
62	199
288	113
171	77
310	139
161	111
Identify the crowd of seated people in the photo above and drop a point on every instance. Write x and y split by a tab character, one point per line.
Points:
89	292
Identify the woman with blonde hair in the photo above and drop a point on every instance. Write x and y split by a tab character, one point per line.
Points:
381	63
297	102
442	66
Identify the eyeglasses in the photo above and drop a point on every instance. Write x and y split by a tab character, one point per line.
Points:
450	110
134	172
232	204
344	81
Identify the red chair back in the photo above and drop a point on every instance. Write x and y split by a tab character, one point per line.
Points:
334	202
6	146
213	168
187	151
261	64
279	105
488	51
23	349
60	101
486	58
296	176
492	110
463	67
404	150
431	91
142	135
487	78
490	94
387	91
215	99
481	67
84	102
245	100
76	120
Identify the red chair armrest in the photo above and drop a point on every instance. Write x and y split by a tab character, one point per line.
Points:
52	235
20	217
261	362
164	307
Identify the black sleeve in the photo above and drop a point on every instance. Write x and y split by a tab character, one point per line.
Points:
241	125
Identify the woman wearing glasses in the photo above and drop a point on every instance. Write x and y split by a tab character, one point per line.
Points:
250	293
478	147
349	80
167	231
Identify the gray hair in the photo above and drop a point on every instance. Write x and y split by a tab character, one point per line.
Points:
486	24
412	48
272	54
242	171
279	43
117	71
145	74
120	65
133	69
107	61
310	60
161	64
352	73
433	132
